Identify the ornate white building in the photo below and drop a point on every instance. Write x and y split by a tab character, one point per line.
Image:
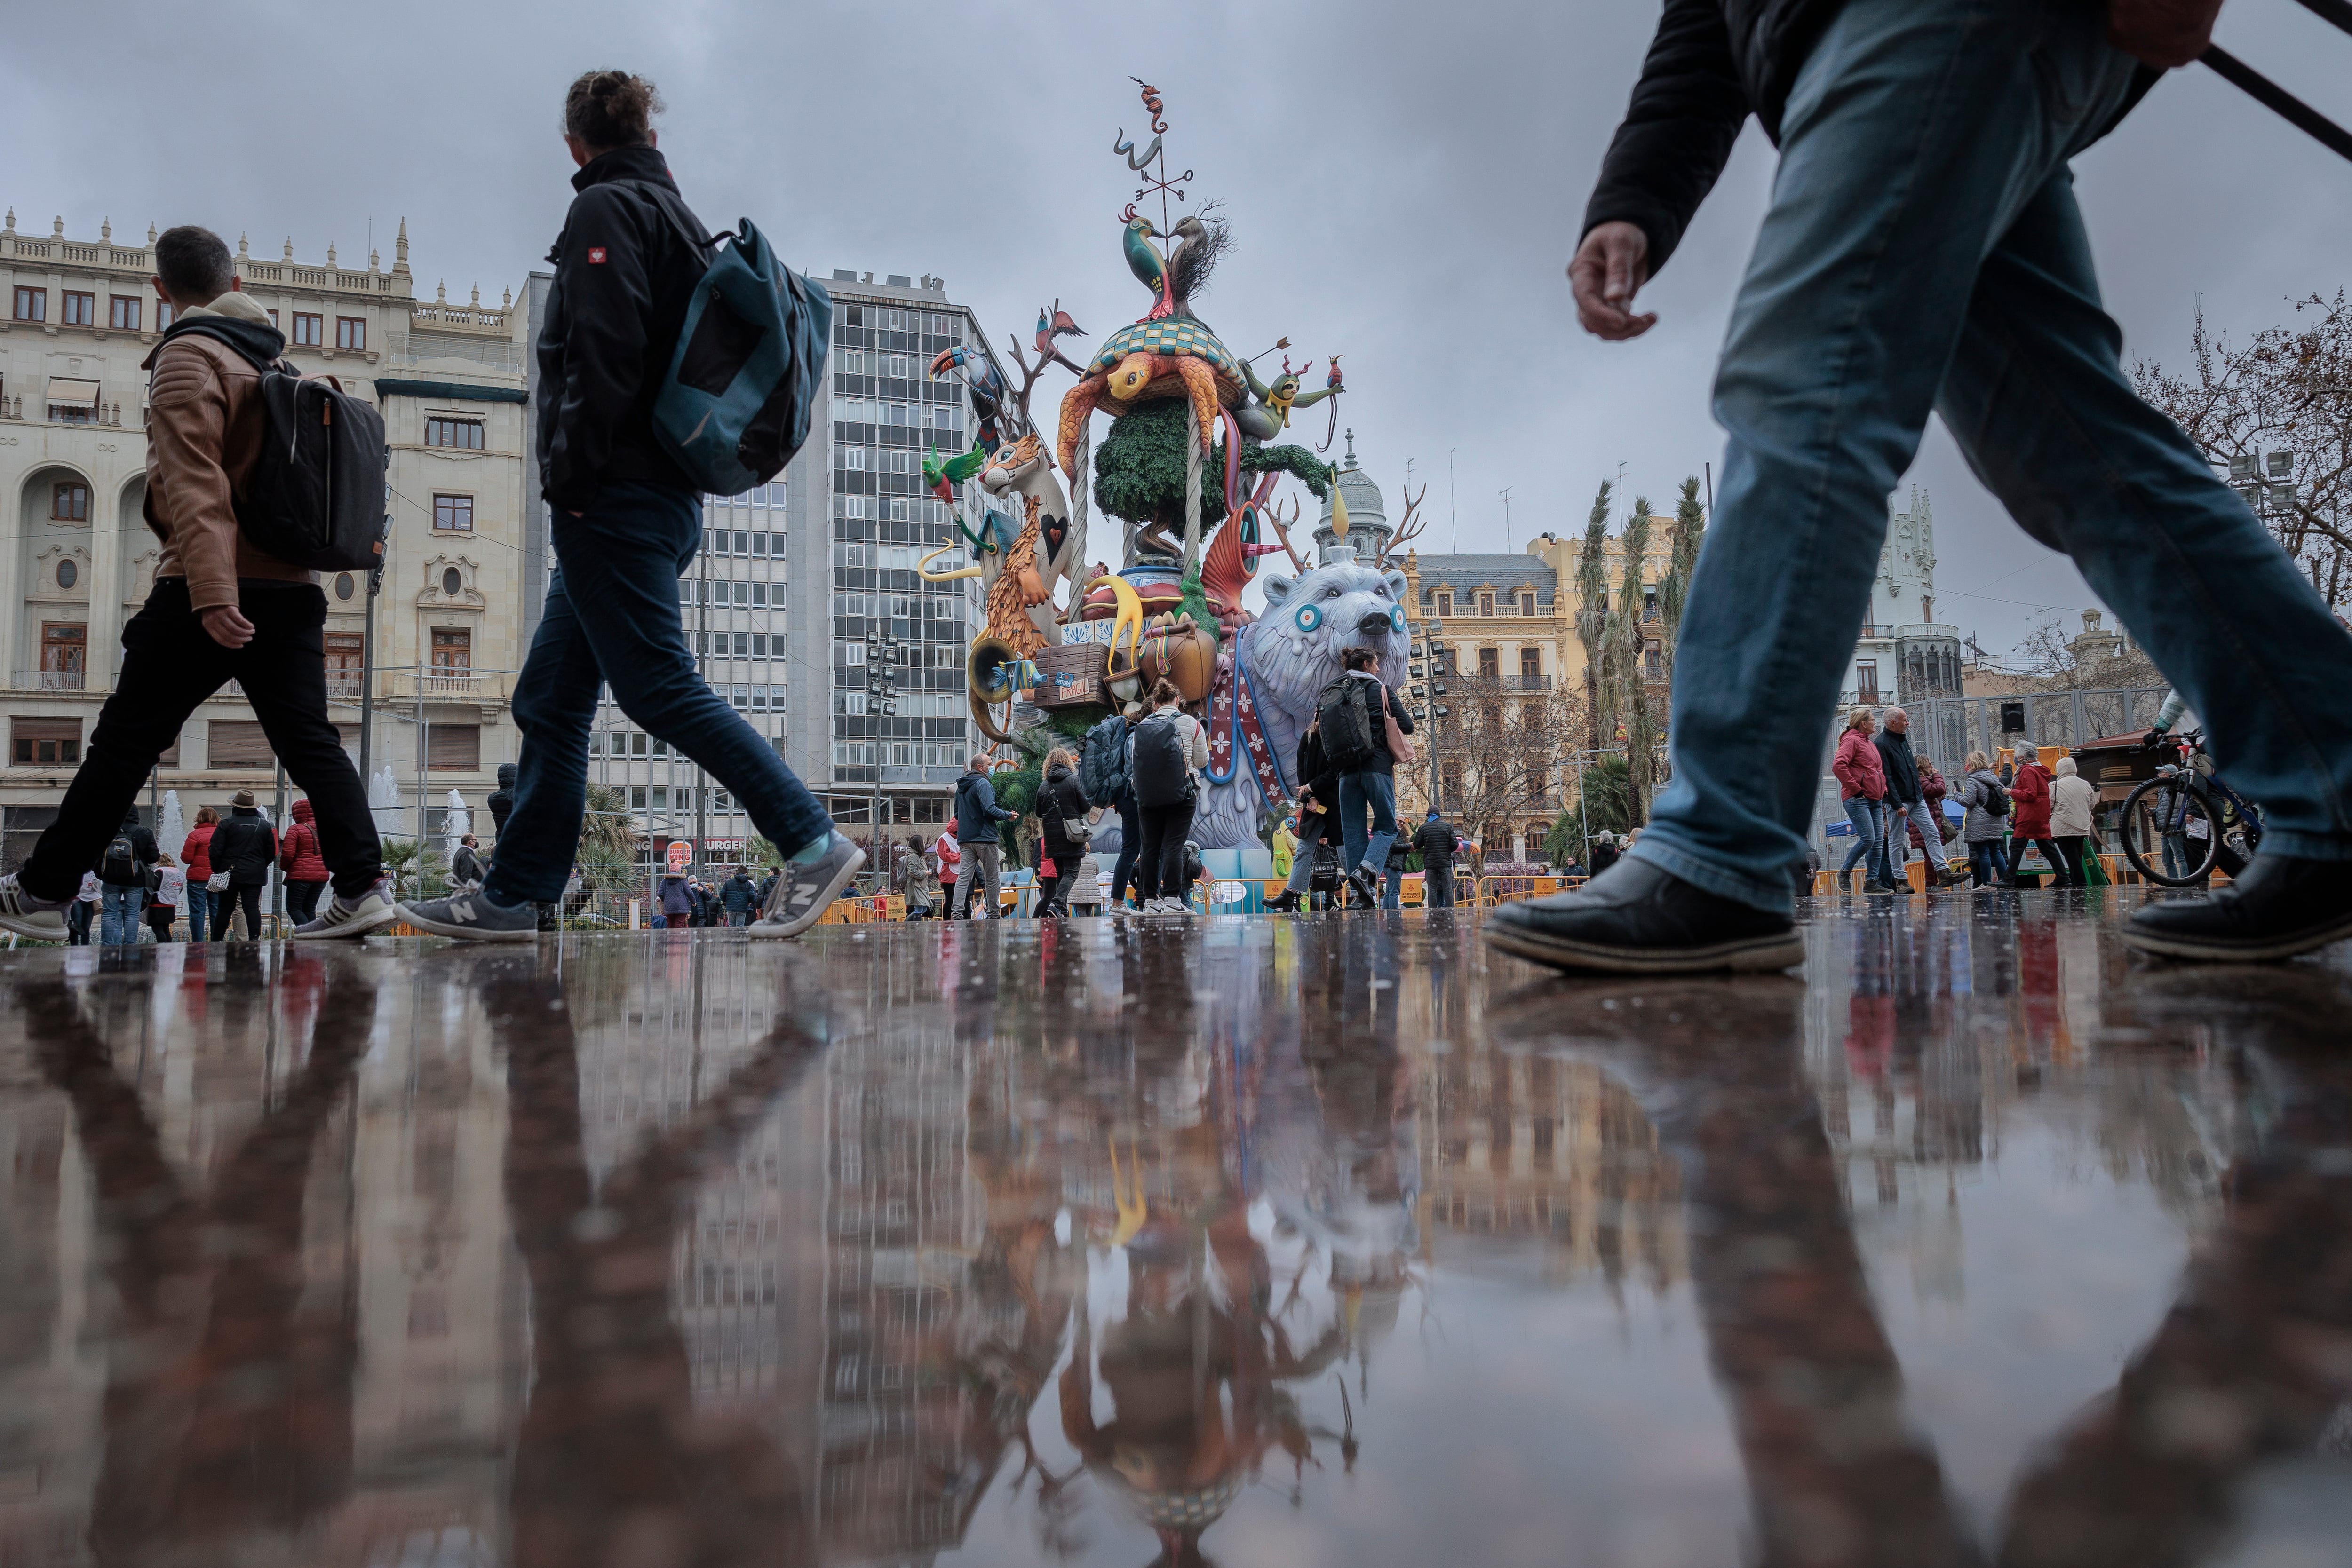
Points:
1904	653
77	318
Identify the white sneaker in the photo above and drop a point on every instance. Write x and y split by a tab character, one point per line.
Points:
29	917
352	918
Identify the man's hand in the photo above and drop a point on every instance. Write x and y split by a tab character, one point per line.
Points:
226	625
1609	269
2162	33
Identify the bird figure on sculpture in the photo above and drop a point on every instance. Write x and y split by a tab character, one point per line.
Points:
1056	323
991	398
1150	268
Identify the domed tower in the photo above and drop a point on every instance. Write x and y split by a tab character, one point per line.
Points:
1368	518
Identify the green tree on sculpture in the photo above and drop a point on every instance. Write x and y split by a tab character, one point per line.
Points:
1139	470
1592	606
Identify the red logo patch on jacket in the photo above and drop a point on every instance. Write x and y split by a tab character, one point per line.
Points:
596	256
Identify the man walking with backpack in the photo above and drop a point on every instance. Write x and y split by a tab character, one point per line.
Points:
1434	840
976	816
1354	712
1924	252
627	519
222	610
123	883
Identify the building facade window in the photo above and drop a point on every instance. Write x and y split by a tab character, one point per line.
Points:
453	582
1485	605
1527	602
32	304
65	647
1445	605
34	741
1866	680
454	748
345	650
81	309
122	312
68	573
306	330
465	434
453	651
68	502
351	332
165	314
1530	663
453	514
237	743
1490	663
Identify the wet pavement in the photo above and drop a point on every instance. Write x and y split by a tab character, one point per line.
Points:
1273	1241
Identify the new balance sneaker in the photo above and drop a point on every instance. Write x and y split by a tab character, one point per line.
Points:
803	889
1636	919
351	917
473	916
29	917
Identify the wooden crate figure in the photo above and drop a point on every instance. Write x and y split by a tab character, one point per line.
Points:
1069	676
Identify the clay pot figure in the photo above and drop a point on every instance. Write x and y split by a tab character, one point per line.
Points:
1176	650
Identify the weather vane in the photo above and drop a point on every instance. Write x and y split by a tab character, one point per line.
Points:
1153	164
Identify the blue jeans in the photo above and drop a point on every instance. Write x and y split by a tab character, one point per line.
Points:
1869	837
1359	792
1900	815
118	915
1392	889
1988	862
197	901
1924	252
612	620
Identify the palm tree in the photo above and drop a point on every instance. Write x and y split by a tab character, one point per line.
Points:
1592	605
418	869
608	841
1674	593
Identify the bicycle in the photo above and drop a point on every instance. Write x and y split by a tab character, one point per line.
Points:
2177	827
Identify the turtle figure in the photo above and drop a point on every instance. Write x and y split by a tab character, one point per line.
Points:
1172	357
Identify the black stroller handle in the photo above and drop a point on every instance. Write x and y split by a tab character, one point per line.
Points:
2276	98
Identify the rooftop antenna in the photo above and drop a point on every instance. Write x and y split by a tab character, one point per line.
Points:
1507	520
1453	523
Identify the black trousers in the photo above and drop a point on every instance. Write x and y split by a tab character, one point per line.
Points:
1130	846
159	920
302	901
1055	877
170	665
2063	871
1159	869
246	897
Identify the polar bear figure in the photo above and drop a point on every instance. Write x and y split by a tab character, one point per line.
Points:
1291	653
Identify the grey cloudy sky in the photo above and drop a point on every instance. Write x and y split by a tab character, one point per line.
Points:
1404	182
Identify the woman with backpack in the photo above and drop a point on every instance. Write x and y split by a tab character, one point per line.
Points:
1068	824
1986	822
1364	727
1165	755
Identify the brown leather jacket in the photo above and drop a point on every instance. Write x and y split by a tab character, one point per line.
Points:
205	429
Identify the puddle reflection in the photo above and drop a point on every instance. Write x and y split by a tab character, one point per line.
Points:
1291	1242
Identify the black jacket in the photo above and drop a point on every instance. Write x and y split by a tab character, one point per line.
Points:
1061	798
1902	769
623	277
1314	773
1712	64
1434	840
465	865
243	846
142	851
976	811
501	800
1381	761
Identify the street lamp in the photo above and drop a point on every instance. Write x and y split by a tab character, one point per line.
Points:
882	701
1435	651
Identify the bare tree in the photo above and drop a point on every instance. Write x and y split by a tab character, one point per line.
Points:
2286	394
1505	751
2046	657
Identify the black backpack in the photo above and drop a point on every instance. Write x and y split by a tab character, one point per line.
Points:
1995	802
317	497
121	868
1102	762
1163	775
1343	712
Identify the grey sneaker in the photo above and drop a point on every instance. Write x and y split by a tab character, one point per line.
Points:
803	890
471	916
29	917
351	917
